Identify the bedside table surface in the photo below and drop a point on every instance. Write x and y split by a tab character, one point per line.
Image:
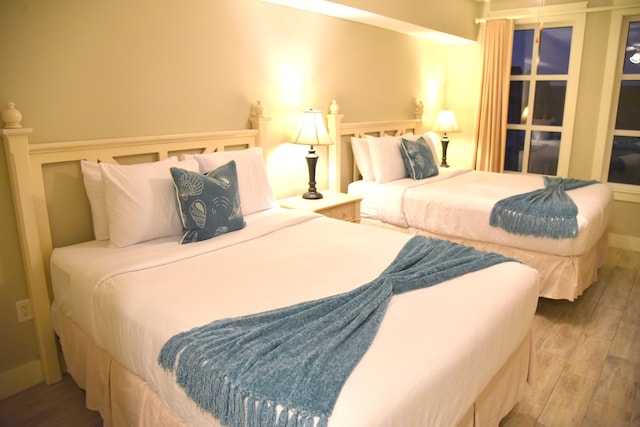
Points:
329	200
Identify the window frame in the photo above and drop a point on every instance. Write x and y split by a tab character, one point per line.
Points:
610	95
558	16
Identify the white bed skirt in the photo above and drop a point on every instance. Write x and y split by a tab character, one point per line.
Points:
561	277
123	399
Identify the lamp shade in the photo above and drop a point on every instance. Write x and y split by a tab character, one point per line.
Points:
311	129
446	122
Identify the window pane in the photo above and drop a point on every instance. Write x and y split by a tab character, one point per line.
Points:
522	52
632	57
515	150
629	106
548	106
555	46
624	167
518	99
544	152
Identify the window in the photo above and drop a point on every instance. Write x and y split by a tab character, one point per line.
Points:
624	163
537	123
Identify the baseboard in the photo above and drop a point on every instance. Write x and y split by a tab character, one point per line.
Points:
624	242
20	378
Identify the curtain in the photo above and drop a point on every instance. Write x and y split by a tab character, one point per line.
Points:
496	41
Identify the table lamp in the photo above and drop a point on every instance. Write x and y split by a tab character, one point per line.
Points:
446	123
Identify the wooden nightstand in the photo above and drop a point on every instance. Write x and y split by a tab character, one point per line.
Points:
334	205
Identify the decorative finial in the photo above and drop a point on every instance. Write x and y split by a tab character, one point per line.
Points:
12	117
419	110
258	109
334	108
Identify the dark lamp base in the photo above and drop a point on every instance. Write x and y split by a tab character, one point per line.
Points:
312	195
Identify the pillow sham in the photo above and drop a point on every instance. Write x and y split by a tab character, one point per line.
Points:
92	178
141	202
361	156
418	158
209	204
255	192
386	159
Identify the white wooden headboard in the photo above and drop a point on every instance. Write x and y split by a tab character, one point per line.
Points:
342	168
43	174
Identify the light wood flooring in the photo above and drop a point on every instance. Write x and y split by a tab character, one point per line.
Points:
588	354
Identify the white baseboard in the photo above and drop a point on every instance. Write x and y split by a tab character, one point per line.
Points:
20	378
624	242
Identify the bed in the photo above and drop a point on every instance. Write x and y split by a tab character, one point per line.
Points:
145	287
456	203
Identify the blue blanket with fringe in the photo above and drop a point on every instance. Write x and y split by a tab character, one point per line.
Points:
546	212
286	367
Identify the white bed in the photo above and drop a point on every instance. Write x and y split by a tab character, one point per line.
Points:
468	366
456	204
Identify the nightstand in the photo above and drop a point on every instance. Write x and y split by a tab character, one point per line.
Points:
333	204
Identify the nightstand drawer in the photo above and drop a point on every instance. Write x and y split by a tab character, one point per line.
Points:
345	212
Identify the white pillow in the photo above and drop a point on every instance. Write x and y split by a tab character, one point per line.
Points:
386	158
430	137
361	155
141	201
255	192
92	177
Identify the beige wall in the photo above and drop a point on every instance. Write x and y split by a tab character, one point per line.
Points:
92	69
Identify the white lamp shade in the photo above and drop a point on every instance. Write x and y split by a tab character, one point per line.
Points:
311	129
446	122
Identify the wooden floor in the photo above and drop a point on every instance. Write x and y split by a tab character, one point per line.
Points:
588	372
588	354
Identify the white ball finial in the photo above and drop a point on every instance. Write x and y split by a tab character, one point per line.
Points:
12	117
419	110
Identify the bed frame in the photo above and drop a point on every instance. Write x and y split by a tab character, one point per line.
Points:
51	206
561	277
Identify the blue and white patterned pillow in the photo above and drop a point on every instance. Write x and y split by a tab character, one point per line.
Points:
418	158
209	204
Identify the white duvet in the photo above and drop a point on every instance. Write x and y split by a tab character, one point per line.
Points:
458	203
437	348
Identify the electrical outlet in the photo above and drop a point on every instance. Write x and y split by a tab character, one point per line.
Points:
23	307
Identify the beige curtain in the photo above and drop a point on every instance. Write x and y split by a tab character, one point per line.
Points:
496	41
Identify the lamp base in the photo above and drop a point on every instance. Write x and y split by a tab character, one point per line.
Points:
445	144
312	195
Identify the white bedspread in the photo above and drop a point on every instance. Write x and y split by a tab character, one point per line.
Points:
458	203
436	349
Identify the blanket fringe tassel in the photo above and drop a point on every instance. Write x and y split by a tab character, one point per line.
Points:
534	224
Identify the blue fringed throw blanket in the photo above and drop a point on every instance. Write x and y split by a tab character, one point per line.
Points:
299	357
546	212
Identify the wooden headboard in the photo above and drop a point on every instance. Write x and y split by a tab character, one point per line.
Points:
51	206
342	168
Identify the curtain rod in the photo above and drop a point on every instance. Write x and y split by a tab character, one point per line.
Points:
566	12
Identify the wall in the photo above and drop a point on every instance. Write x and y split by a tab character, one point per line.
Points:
90	69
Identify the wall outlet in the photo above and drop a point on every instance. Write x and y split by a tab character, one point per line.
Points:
23	307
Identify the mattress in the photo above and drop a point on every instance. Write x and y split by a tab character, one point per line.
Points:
436	350
458	203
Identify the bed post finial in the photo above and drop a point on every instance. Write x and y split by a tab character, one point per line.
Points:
334	108
419	110
12	117
258	109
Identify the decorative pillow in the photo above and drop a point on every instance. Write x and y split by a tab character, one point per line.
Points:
418	158
209	204
430	137
92	177
255	192
141	201
361	156
386	159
